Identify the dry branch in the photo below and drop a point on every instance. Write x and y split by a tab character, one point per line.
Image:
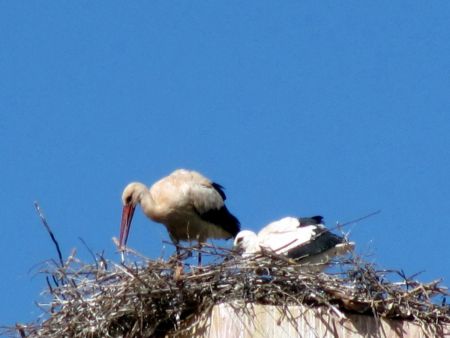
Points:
50	232
143	299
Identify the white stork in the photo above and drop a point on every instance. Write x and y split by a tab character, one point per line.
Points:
304	239
187	203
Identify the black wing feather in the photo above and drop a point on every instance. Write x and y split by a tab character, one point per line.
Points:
220	189
223	219
314	220
321	243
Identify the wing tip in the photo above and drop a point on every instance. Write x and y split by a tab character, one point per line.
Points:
220	189
224	219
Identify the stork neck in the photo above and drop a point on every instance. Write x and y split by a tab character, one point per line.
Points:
253	247
150	207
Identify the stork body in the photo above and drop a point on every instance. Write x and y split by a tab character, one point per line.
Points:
304	239
190	206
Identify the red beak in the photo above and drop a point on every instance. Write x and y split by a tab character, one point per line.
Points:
127	216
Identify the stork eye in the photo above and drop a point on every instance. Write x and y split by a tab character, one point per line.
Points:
239	240
128	200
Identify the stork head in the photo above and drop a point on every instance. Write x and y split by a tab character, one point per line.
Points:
246	243
131	196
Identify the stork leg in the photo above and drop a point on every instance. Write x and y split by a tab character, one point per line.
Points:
200	246
176	243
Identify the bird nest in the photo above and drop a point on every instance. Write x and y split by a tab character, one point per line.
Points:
144	297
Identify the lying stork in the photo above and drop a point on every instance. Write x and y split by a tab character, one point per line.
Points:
187	203
306	240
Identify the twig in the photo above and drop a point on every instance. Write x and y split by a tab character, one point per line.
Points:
359	219
44	221
89	250
143	298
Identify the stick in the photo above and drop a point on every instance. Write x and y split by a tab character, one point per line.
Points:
44	221
359	219
89	250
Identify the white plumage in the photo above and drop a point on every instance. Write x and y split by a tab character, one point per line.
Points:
190	206
304	239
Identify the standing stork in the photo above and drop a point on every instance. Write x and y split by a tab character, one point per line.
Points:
190	206
305	239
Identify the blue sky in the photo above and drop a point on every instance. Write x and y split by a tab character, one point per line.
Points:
297	108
